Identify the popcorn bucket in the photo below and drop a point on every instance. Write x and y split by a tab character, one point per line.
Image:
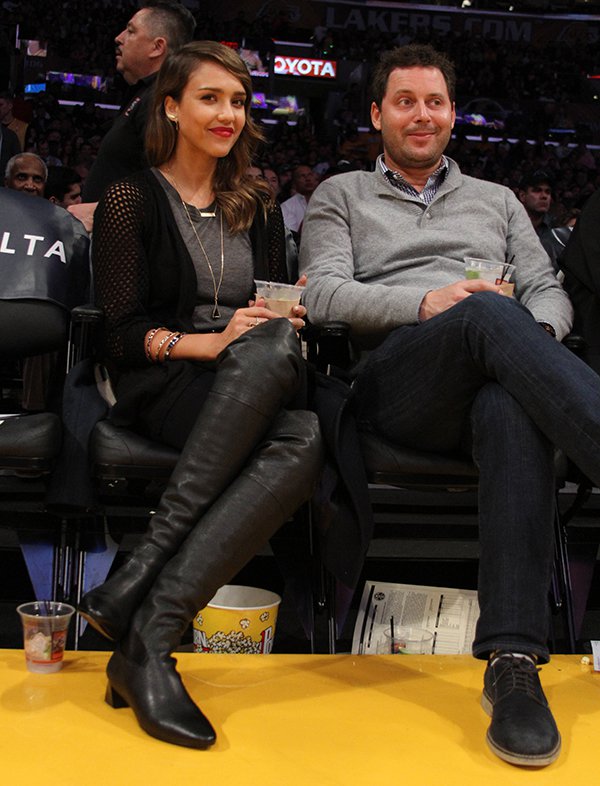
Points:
237	620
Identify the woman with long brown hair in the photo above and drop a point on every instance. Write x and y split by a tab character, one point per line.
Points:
197	364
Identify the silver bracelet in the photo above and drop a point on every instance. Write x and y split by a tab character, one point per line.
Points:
151	335
163	341
177	337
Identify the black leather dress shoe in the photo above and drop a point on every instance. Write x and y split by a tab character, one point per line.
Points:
161	704
522	730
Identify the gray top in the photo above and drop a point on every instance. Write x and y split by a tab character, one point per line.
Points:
238	268
372	252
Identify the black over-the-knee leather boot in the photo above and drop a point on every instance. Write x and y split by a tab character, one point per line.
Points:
141	672
257	375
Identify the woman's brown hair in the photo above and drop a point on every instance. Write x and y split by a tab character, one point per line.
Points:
236	194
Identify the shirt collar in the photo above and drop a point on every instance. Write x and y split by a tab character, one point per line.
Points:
434	181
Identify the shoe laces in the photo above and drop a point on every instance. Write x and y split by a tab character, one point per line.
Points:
516	674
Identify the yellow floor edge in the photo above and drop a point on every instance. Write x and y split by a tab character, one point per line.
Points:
284	720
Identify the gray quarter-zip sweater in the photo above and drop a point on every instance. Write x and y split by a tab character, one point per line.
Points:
371	252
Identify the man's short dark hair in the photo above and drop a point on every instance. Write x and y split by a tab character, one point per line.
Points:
410	56
297	167
59	181
536	178
172	20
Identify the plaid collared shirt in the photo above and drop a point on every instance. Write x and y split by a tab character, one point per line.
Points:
434	181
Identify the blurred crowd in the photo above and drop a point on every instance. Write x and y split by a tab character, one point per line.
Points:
536	85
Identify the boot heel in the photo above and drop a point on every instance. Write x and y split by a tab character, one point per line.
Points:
114	699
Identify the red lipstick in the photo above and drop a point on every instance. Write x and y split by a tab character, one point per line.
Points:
223	131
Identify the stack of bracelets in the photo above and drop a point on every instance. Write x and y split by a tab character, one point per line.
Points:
162	353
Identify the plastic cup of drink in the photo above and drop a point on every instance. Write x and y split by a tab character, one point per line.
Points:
280	298
495	272
45	628
408	641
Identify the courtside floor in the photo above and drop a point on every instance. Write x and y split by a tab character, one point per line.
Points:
282	720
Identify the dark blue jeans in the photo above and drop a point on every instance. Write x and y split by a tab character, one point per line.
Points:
485	377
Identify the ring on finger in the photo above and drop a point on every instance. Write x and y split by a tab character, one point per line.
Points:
256	322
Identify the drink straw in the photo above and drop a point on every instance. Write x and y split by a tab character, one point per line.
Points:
506	267
392	634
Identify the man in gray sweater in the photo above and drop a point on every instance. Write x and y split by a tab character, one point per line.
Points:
457	364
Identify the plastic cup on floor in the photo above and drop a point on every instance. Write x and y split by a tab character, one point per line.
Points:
408	641
45	629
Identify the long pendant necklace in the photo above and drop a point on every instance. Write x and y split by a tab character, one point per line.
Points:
216	314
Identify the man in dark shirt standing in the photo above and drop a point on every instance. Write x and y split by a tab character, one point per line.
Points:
160	26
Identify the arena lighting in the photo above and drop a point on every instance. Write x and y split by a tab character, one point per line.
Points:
516	140
93	81
273	122
69	102
295	44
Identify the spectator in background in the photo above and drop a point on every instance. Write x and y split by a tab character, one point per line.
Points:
291	249
8	120
26	172
84	158
354	146
63	186
581	264
254	172
285	180
304	182
9	146
160	25
535	192
43	149
272	179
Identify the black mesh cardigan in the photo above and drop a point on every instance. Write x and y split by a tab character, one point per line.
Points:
144	278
